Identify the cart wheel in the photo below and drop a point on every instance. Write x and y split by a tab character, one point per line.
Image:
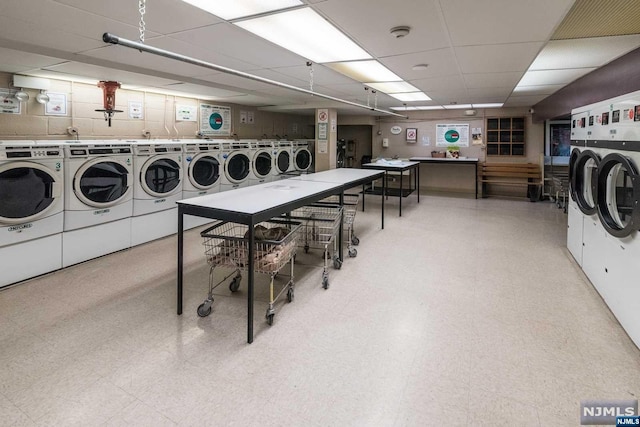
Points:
355	241
306	249
204	309
270	317
325	282
337	264
290	295
353	252
235	284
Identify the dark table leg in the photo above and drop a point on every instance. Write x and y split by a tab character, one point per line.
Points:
418	182
476	163
180	257
363	191
250	280
340	248
384	189
401	189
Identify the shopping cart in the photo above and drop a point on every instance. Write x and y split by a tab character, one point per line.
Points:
320	227
561	190
350	204
226	245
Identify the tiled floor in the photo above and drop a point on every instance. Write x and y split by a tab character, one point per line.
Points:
462	312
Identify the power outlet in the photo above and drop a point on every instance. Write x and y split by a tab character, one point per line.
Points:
72	130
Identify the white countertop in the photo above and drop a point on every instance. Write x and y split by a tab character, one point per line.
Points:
437	159
339	176
400	165
261	197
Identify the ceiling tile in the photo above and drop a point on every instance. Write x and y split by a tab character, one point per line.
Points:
490	92
600	18
582	53
497	58
552	77
104	73
453	82
472	22
24	61
369	24
321	75
480	80
524	101
199	90
441	62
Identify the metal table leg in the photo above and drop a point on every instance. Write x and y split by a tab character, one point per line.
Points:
180	258
250	278
384	189
363	195
340	248
417	176
401	189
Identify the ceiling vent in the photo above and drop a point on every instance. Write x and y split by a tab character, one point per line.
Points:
399	32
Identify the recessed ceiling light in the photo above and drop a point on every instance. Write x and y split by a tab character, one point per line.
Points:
233	9
411	96
420	67
457	106
393	87
489	105
365	71
418	108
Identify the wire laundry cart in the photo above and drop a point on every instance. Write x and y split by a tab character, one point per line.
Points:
320	228
350	204
226	245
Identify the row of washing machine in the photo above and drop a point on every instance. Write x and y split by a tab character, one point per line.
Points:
604	207
65	202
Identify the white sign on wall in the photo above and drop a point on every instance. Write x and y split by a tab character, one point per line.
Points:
215	120
8	103
452	134
57	105
323	115
135	110
186	113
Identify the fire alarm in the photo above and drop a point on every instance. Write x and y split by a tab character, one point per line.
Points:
401	31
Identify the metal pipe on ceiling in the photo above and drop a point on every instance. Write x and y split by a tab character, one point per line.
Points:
113	39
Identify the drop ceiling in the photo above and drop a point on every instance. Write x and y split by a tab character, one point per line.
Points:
477	52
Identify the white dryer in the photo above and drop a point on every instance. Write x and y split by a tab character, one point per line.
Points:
283	159
157	187
261	162
31	209
236	165
202	170
302	156
98	199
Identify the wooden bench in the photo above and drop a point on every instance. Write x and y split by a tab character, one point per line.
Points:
527	175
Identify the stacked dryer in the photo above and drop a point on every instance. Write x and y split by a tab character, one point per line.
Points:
202	170
98	199
157	188
608	198
31	209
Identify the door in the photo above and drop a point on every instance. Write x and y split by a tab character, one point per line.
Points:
102	182
283	161
262	164
204	171
302	159
160	176
585	181
618	195
27	190
237	167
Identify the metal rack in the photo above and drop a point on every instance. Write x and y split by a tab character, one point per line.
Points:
319	230
350	205
226	245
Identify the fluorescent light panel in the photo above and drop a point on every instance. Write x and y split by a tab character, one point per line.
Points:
456	106
365	71
393	87
410	96
418	108
307	34
489	105
233	9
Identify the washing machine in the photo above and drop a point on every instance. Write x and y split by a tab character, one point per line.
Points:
98	199
157	187
202	171
302	153
236	165
283	160
261	156
31	209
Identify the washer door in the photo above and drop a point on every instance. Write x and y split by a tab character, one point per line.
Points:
586	181
27	191
160	176
572	172
204	171
303	159
102	182
618	195
283	161
236	167
262	164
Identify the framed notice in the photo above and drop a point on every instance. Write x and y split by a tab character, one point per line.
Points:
215	120
8	103
186	113
412	135
454	134
57	105
135	110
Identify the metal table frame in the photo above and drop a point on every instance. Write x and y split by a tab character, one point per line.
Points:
468	161
411	166
203	207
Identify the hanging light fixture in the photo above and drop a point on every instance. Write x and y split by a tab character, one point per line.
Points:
109	99
42	97
21	95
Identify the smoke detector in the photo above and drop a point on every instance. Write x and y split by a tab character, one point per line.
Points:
399	32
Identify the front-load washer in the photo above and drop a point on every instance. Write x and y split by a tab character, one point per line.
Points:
261	162
283	160
236	165
98	199
202	174
302	156
157	187
31	209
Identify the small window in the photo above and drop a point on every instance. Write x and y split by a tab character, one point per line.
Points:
506	136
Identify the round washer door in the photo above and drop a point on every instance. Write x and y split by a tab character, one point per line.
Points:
572	172
204	171
303	159
27	190
102	182
236	167
618	195
160	176
586	181
262	164
283	160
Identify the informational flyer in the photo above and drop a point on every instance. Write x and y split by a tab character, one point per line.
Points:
8	104
215	120
452	134
322	132
323	147
57	105
476	136
243	117
186	113
135	110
